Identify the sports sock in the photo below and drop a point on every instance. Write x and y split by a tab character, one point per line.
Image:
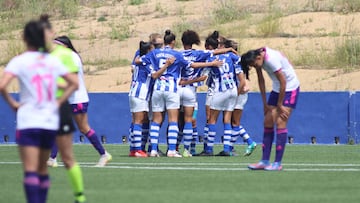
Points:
76	181
131	136
281	137
206	135
211	138
145	135
137	131
44	187
172	135
267	143
94	140
188	131
194	138
154	135
235	133
227	137
54	151
245	136
31	187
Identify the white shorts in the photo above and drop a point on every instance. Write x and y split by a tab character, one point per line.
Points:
209	95
187	96
163	100
224	101
138	105
241	101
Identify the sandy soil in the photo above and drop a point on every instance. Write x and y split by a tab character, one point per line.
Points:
310	32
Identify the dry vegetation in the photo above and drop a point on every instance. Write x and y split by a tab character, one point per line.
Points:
321	37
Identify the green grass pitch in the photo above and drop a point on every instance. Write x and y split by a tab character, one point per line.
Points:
312	173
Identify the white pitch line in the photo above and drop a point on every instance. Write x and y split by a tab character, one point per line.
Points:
154	167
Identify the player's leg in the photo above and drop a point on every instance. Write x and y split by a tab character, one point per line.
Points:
47	141
194	134
81	119
172	107
64	142
52	162
189	102
158	106
29	152
289	103
137	132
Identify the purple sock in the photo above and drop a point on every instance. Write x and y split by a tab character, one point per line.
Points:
54	151
44	187
32	187
93	138
267	143
281	137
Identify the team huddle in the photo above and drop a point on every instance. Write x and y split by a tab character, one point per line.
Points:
53	94
165	81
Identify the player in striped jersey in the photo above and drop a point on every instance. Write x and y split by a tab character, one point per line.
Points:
139	95
281	102
165	95
225	94
190	79
237	129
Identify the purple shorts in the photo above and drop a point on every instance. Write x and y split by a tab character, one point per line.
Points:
290	99
42	138
80	108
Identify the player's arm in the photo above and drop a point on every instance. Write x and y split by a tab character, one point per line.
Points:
72	82
216	63
194	80
281	110
168	63
261	82
242	83
224	50
5	80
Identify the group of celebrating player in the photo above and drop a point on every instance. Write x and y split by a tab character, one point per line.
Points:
165	80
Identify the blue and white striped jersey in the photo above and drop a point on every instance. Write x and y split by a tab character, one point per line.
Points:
223	76
142	82
193	55
168	81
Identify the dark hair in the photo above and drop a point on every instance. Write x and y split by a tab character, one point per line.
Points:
212	40
231	43
222	40
34	36
67	42
190	37
249	58
169	37
144	47
45	22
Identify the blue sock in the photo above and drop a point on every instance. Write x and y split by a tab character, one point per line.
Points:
211	138
145	135
44	187
206	135
172	135
131	136
154	135
193	140
94	140
188	131
137	132
32	187
227	137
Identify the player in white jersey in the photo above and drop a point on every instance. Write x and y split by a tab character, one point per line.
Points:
165	95
237	129
139	95
79	102
190	79
37	110
281	102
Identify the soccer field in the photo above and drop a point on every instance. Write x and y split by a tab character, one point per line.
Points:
312	173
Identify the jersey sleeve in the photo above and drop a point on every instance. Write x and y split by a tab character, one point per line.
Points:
146	59
273	63
13	67
204	55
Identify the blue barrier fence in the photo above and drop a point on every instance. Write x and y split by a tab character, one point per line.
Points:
322	115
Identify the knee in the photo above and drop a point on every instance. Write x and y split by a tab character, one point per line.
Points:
68	160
